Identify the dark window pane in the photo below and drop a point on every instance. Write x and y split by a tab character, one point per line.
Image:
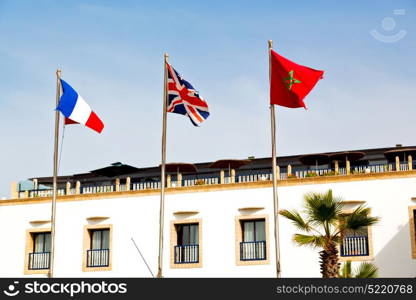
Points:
193	235
42	242
100	239
47	247
260	232
414	221
38	246
105	239
248	231
187	234
254	231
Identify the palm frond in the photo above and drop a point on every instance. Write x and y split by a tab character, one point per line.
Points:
315	241
296	219
357	220
323	207
366	270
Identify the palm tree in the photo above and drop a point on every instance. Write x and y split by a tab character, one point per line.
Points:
324	223
364	270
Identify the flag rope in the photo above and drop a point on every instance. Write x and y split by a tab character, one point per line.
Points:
62	146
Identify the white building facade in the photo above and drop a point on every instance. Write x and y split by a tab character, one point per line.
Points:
210	230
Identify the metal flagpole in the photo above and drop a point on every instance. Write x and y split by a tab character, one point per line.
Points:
55	174
275	196
162	170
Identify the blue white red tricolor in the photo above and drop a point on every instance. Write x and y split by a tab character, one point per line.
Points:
184	99
76	110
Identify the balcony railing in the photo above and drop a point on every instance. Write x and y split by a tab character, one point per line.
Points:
354	246
98	258
44	193
200	181
145	185
186	254
39	260
253	250
254	177
98	189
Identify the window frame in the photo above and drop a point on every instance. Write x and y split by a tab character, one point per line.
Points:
370	255
87	245
30	247
174	242
239	231
412	230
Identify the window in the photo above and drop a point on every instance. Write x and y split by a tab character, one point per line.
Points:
38	251
252	240
414	223
97	248
412	227
356	245
97	256
186	249
186	245
253	245
39	259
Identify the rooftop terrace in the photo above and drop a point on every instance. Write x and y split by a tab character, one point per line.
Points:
120	177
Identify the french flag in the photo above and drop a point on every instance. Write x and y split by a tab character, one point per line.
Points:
76	110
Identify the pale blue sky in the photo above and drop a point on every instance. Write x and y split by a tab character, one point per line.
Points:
111	52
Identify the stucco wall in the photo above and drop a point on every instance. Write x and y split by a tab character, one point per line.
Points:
137	217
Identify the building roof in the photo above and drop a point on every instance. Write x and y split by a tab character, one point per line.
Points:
120	170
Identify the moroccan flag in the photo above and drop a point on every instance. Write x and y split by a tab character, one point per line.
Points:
290	82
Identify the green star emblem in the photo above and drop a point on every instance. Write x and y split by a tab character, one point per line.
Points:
290	80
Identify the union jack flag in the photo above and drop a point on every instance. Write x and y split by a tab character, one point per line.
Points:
184	99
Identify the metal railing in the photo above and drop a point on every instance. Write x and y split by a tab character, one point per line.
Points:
200	181
98	258
354	246
98	189
39	260
45	193
254	177
404	167
145	185
186	254
253	250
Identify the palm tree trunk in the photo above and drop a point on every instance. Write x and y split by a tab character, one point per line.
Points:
329	261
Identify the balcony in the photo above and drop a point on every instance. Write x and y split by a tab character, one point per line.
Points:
186	254
98	258
253	251
39	260
354	246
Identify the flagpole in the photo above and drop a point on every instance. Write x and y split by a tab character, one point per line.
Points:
55	174
275	196
162	170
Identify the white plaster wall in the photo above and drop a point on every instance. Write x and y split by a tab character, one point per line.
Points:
388	199
218	211
137	217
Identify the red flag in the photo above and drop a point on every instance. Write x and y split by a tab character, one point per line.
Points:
290	82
